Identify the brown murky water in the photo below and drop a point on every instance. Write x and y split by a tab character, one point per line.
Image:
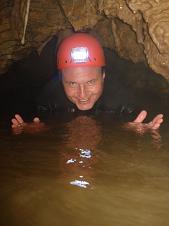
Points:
84	172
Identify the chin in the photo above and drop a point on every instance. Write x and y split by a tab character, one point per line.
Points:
84	107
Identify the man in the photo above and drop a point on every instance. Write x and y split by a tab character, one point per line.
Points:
82	87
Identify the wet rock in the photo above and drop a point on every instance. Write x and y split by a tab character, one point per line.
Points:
137	30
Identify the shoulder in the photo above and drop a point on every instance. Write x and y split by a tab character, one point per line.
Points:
50	92
117	94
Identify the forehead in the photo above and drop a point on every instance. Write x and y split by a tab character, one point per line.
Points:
81	73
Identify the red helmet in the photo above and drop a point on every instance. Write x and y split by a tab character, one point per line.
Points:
80	49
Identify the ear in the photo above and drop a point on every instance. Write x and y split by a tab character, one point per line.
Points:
104	75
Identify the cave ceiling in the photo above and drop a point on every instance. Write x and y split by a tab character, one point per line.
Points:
137	29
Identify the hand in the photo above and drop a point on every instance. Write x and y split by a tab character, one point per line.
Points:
138	126
19	126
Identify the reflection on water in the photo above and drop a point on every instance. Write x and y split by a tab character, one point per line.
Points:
84	172
82	135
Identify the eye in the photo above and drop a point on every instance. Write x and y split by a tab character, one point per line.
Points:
92	82
72	84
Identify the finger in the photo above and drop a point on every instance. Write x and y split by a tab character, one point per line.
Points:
36	120
157	118
15	123
140	118
156	122
19	118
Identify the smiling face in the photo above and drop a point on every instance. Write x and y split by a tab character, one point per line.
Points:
83	85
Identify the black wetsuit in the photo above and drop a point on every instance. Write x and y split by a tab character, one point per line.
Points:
116	99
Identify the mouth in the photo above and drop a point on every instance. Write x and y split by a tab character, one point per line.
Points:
84	101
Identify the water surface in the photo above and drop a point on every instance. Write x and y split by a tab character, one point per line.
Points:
84	172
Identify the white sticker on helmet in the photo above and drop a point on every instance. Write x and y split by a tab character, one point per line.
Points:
80	54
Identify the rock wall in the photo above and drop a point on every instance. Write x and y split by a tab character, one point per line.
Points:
137	29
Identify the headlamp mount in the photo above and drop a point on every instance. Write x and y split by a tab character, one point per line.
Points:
80	54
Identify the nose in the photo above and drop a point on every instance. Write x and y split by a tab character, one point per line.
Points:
82	92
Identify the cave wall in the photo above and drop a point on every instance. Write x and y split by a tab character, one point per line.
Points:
137	29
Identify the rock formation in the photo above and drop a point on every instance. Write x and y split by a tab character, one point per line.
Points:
137	29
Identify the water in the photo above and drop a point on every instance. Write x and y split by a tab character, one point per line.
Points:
84	172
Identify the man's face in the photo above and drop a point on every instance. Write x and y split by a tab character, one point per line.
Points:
83	85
